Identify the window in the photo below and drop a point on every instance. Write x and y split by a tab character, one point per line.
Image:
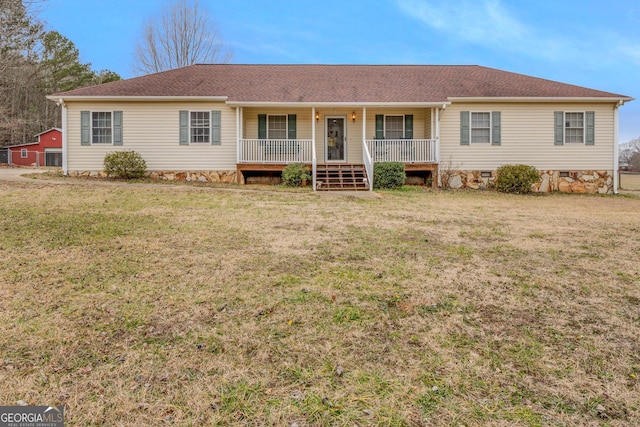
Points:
100	127
574	128
23	153
394	127
277	126
200	126
101	130
481	128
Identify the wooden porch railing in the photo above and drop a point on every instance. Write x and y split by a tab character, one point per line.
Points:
403	150
275	151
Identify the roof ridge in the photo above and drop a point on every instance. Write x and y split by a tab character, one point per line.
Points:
333	65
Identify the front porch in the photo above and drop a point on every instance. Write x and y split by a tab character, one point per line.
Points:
337	139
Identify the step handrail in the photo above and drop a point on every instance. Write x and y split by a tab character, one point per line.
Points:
368	163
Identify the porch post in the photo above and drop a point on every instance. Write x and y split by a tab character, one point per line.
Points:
313	147
313	126
433	124
364	124
616	166
238	136
438	145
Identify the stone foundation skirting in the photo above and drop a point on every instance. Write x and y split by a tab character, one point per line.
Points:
573	181
226	176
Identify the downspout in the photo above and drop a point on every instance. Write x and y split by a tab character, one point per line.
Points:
65	167
616	166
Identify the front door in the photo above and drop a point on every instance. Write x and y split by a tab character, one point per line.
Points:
335	139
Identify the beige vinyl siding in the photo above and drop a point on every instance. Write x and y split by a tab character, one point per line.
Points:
152	129
527	136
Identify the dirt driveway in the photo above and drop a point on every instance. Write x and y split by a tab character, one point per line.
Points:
13	174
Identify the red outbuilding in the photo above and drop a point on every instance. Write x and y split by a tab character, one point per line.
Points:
46	151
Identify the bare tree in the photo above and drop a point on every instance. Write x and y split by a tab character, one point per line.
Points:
183	35
19	35
33	64
629	155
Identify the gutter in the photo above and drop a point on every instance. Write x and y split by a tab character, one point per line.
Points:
138	98
622	99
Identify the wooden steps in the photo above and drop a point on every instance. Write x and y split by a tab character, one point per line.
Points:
341	177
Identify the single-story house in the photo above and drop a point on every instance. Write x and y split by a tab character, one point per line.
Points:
449	125
46	151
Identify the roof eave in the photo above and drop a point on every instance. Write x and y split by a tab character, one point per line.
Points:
48	130
21	145
103	98
545	99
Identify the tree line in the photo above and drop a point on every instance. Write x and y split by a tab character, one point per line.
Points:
35	63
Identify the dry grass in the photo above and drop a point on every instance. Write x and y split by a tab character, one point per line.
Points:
630	181
147	306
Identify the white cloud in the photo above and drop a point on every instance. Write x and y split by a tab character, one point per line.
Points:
488	23
485	22
628	51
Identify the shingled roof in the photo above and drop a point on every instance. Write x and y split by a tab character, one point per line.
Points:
338	83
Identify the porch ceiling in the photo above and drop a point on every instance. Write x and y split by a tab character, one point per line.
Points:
358	105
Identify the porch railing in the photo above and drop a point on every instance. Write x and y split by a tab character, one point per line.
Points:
275	151
403	150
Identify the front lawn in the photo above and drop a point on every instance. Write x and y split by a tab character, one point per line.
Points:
194	306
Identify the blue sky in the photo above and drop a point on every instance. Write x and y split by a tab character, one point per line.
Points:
589	43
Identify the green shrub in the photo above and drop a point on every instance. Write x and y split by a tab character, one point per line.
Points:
516	178
124	165
294	174
388	175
